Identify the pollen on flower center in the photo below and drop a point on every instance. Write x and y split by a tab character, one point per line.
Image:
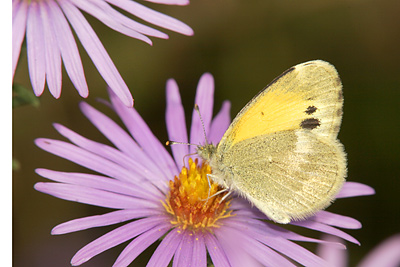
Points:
188	200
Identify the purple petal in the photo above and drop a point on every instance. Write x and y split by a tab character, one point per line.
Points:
353	189
102	220
237	255
191	251
139	244
102	183
19	17
220	123
260	252
205	101
97	53
35	44
116	237
184	252
334	256
167	248
125	21
122	140
113	155
145	138
278	243
170	2
90	161
94	197
152	16
68	48
215	250
326	229
264	228
103	12
176	124
385	255
199	251
337	220
52	53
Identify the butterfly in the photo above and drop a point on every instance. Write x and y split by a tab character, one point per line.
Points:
281	152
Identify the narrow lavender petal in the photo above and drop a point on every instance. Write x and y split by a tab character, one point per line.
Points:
385	254
293	251
145	138
337	220
176	124
139	244
184	252
220	123
94	197
102	183
152	16
191	251
205	100
215	250
68	48
98	10
19	17
170	2
120	138
35	51
260	252
89	160
116	237
278	243
96	52
264	228
334	256
110	218
164	252
236	255
353	189
52	52
326	229
127	22
114	155
199	258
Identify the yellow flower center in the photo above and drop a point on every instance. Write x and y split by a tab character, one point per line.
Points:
192	201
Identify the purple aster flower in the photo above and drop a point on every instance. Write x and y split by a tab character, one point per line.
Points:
386	254
160	197
49	39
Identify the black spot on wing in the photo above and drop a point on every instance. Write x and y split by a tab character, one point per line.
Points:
262	113
310	110
310	124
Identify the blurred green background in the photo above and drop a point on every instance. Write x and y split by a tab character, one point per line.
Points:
244	44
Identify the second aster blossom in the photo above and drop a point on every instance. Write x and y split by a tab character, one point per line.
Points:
162	197
50	41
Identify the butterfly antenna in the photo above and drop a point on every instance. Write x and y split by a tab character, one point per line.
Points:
170	143
196	107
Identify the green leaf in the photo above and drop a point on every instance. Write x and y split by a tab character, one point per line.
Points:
22	96
16	166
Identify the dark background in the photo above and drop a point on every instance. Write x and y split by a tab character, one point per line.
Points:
244	44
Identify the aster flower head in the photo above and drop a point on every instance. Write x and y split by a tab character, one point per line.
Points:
164	197
49	39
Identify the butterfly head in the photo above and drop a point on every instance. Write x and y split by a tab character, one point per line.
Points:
206	152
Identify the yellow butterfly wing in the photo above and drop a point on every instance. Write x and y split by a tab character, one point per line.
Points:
281	151
308	95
